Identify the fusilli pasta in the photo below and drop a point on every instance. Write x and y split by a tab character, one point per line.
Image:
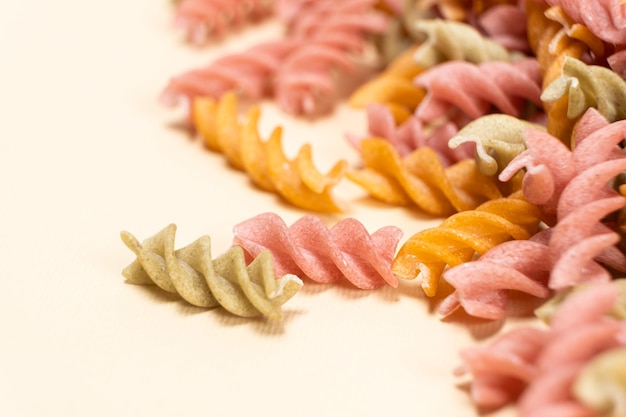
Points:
199	279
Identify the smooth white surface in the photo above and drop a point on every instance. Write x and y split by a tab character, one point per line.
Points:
86	151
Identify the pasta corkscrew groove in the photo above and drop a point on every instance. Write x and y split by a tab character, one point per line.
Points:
296	180
463	235
226	281
346	251
421	179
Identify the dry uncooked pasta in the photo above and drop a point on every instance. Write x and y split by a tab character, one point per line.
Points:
463	235
421	179
601	384
587	86
393	88
455	41
201	20
297	180
498	137
540	366
346	251
244	290
475	89
605	18
552	38
411	134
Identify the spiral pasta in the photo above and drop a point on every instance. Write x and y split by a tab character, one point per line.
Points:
605	18
202	19
474	89
540	366
296	180
199	279
455	41
309	248
587	86
463	235
421	179
249	73
553	37
307	81
412	134
601	384
393	88
498	137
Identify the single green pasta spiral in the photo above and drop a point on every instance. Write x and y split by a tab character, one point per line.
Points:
199	279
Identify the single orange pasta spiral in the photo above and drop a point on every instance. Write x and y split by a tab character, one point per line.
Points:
420	178
296	180
463	235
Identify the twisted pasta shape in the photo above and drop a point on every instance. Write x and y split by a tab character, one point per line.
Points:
601	384
308	79
580	331
474	89
553	37
502	369
550	165
455	41
202	19
498	137
605	18
249	73
225	281
296	180
411	135
587	86
463	235
542	365
393	88
420	178
324	255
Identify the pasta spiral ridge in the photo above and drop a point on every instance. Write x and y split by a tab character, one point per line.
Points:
202	19
550	165
393	88
421	179
249	73
601	384
587	86
474	89
307	81
553	37
297	180
411	134
579	332
499	138
325	255
538	366
605	18
199	279
455	41
557	258
463	235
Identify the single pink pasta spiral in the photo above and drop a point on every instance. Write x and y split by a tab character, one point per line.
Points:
475	89
307	81
412	134
506	24
324	255
248	73
202	19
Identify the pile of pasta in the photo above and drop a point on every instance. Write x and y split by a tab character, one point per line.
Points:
505	118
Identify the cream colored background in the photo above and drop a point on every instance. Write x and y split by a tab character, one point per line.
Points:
86	151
